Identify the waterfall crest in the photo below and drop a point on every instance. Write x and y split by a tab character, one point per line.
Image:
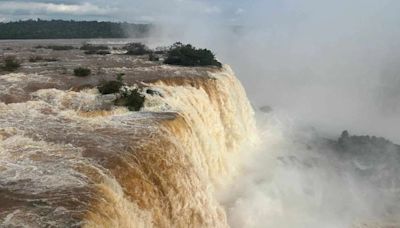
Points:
64	160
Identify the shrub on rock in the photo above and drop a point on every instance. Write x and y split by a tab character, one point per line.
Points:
82	72
132	99
10	64
153	57
99	52
60	47
187	55
136	49
91	47
110	87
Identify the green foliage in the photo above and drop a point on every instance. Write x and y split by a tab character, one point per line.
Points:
34	59
50	59
120	77
153	57
60	29
161	50
90	52
82	72
60	47
91	47
99	52
136	49
113	86
103	52
365	145
187	55
131	98
55	47
10	64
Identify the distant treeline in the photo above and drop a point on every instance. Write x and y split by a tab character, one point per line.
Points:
61	29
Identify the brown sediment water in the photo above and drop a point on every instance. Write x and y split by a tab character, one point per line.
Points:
72	159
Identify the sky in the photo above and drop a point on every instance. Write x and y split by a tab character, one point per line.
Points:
123	10
334	64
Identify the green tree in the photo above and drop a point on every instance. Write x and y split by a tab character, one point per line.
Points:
187	55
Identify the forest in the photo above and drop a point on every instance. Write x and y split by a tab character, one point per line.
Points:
61	29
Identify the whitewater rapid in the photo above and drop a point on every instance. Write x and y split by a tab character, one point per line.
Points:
66	160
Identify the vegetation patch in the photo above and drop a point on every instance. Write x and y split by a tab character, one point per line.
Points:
153	57
110	87
113	86
68	29
136	49
187	55
82	72
11	64
131	98
161	50
34	59
98	52
60	47
91	47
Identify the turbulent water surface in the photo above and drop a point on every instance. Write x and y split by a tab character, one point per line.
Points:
69	158
191	157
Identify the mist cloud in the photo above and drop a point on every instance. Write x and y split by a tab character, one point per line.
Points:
332	65
297	179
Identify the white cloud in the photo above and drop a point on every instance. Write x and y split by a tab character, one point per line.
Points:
9	7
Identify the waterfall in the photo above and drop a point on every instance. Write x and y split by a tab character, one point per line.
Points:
65	160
